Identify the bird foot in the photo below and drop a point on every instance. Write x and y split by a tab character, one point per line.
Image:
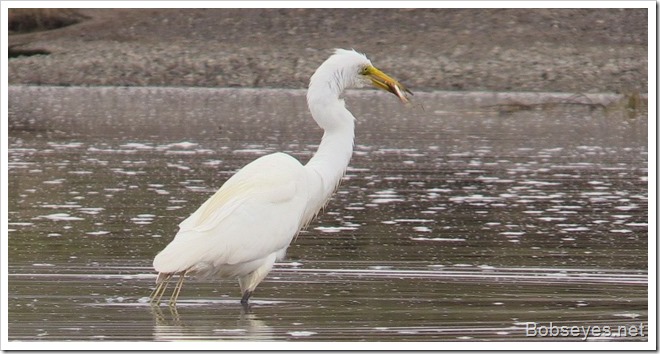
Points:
244	301
246	297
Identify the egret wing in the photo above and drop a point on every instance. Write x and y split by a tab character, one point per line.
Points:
255	213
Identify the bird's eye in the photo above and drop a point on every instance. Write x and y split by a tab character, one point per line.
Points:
364	70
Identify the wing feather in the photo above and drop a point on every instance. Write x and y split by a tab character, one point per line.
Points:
255	213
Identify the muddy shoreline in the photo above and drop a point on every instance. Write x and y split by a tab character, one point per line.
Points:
539	50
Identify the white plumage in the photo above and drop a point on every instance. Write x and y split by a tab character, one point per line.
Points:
250	221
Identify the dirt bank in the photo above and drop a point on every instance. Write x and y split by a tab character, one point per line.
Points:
569	50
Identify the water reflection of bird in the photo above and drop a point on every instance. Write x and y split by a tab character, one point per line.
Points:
172	326
250	221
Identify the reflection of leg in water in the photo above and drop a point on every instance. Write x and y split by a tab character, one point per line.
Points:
162	320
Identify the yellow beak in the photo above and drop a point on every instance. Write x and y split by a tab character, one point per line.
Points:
383	81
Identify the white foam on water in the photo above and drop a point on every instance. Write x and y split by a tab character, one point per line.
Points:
60	217
97	233
438	239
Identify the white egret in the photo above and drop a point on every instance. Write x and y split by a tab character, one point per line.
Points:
250	221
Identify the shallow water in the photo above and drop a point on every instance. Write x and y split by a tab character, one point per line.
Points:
461	218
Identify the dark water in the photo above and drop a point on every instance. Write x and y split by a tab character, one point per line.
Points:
461	218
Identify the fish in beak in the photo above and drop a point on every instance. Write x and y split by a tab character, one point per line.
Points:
385	82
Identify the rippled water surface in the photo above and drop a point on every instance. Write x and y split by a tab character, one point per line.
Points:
461	218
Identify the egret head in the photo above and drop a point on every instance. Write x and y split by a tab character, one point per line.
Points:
348	68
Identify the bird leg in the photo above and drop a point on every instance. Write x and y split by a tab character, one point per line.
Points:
250	281
246	296
157	294
177	289
244	300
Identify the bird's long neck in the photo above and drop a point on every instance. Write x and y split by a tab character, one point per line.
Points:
334	153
